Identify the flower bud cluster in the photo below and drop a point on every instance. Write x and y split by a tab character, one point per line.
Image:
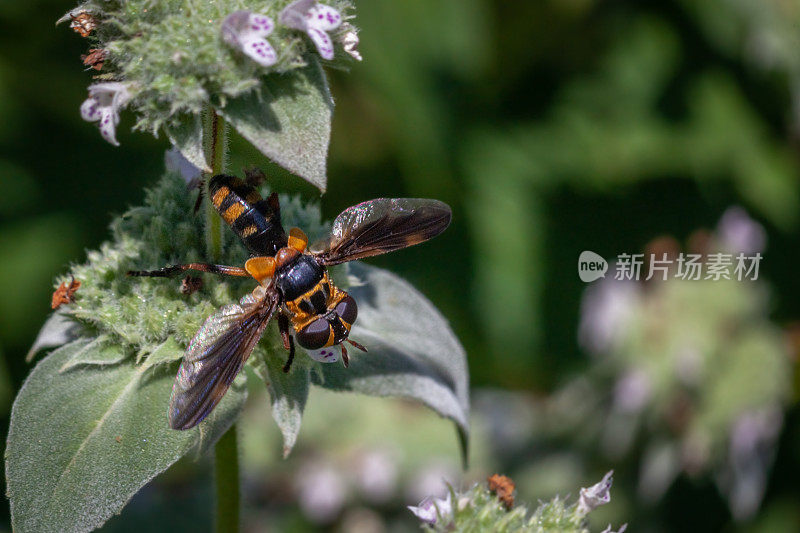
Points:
169	60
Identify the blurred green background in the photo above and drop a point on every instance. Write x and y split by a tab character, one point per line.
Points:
550	127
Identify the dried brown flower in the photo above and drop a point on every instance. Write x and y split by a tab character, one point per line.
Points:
83	23
95	58
64	293
503	487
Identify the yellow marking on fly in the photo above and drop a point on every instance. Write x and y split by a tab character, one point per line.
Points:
233	212
249	230
297	239
300	318
315	289
252	197
261	268
219	196
331	337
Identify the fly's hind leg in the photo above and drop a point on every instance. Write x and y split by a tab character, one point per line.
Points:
288	340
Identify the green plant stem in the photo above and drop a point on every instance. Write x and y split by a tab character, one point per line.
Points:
226	480
215	144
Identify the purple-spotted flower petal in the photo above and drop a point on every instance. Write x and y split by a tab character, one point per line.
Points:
248	31
325	355
108	125
316	20
90	110
430	509
322	41
103	106
323	18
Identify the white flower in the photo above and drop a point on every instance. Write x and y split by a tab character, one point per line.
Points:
322	491
375	473
738	233
103	106
350	41
314	19
632	391
324	355
607	310
750	454
430	509
596	495
247	31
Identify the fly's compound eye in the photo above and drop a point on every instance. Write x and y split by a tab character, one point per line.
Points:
347	310
315	335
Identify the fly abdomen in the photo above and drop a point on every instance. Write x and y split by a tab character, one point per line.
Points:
256	221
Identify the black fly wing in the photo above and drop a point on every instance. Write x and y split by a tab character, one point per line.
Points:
216	355
382	225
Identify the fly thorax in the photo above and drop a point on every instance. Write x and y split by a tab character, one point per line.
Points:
298	275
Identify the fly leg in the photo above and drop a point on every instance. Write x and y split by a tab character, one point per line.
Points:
288	340
169	271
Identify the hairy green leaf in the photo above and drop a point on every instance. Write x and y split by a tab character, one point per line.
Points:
288	118
82	442
57	331
97	351
412	351
288	392
166	352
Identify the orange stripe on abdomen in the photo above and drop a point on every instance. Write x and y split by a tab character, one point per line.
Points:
233	212
219	196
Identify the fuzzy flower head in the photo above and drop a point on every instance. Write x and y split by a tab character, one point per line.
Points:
182	57
314	19
103	106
